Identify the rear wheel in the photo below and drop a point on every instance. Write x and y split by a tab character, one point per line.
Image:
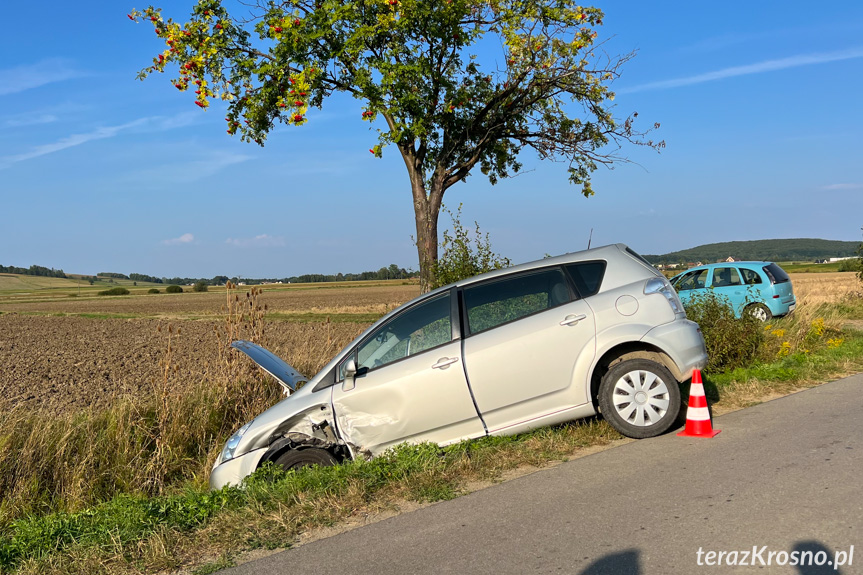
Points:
639	398
297	458
759	311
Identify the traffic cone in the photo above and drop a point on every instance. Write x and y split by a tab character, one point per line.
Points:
697	415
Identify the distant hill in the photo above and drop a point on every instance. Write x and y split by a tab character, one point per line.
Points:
797	249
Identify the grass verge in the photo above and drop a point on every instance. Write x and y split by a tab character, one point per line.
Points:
130	527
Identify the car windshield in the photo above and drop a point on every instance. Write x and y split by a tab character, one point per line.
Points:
776	274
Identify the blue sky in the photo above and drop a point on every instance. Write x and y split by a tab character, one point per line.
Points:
760	104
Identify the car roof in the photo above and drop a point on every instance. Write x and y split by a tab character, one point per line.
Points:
726	264
602	252
599	253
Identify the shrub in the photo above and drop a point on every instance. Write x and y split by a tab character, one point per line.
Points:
153	290
115	291
460	258
731	341
853	265
173	289
200	286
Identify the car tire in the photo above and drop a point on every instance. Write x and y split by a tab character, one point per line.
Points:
759	311
639	398
297	458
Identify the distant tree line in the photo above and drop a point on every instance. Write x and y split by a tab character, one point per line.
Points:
393	272
33	271
113	275
783	250
145	278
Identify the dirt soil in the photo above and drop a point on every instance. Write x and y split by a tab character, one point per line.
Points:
65	363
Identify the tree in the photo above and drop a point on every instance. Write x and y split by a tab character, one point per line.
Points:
426	80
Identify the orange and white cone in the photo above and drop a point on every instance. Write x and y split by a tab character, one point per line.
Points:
697	414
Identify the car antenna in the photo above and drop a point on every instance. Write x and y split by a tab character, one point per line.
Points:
590	237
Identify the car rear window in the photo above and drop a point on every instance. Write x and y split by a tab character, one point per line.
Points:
776	274
587	276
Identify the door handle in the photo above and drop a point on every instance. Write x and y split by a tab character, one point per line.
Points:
444	362
573	319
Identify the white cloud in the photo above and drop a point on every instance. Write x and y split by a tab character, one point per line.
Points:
184	239
21	78
30	120
194	170
757	68
148	124
833	187
261	241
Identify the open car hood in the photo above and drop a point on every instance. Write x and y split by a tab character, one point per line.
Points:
272	364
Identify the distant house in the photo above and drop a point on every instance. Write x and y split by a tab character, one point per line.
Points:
831	260
730	259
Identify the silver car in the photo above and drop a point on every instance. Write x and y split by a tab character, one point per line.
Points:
500	353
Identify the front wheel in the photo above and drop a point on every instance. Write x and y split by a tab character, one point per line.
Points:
639	398
297	458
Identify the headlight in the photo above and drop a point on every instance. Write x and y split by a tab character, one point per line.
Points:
661	285
233	442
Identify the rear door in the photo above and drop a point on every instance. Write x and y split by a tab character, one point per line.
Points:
410	384
523	334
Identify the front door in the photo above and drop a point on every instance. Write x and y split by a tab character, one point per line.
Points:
410	384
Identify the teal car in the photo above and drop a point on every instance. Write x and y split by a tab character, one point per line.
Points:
762	289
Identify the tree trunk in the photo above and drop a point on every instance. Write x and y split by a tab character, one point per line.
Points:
426	212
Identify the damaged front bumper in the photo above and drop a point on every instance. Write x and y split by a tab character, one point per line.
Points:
233	471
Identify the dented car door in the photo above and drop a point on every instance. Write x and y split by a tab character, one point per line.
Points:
406	382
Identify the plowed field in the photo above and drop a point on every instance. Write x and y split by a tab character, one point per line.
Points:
74	352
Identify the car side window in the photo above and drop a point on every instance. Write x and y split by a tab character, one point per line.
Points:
692	280
495	303
422	327
587	276
750	277
723	277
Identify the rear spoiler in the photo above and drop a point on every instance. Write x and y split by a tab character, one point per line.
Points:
286	375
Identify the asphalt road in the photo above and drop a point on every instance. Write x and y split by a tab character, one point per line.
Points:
784	477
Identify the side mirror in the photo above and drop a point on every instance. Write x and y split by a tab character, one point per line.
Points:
350	375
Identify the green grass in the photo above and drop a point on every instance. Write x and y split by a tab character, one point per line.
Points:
799	368
273	508
20	284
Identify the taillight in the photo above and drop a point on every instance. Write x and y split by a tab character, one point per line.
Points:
661	285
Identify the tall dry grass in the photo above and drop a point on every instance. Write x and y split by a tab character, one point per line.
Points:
818	288
824	303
